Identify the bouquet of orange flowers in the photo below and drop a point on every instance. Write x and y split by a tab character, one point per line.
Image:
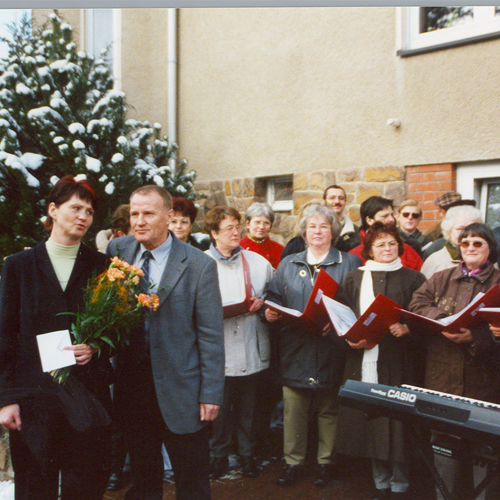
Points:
113	307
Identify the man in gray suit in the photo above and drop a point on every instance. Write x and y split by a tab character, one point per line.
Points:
170	377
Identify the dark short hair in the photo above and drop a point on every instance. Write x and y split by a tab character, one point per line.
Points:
121	220
64	189
216	215
185	207
374	232
371	206
332	186
153	188
481	231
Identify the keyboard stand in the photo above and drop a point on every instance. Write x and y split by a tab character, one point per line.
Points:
464	454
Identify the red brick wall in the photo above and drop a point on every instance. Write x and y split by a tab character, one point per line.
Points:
426	183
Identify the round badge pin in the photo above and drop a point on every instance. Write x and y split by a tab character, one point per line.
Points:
302	273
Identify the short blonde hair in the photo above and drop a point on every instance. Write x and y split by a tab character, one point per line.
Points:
410	203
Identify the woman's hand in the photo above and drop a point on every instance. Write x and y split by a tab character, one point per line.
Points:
362	344
399	330
256	304
10	417
464	337
83	353
495	330
271	315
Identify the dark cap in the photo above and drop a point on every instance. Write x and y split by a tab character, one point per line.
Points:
459	203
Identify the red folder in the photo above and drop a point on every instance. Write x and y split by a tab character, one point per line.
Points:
240	308
490	314
466	318
373	325
314	318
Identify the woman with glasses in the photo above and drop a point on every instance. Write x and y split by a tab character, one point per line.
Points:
457	362
310	364
391	362
409	216
246	339
259	219
454	221
182	222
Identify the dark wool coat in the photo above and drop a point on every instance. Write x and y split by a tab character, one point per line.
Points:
397	364
307	360
462	369
31	299
61	424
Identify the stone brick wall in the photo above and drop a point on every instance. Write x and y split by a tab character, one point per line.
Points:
428	182
359	184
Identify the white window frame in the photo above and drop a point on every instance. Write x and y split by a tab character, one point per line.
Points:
88	25
485	24
473	179
278	205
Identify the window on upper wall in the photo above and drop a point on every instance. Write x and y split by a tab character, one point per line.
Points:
433	28
277	191
480	181
99	34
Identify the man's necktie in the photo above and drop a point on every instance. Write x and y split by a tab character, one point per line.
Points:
145	269
145	287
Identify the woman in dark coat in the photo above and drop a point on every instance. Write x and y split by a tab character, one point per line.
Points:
389	363
54	428
311	365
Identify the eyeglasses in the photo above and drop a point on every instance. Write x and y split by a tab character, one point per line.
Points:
475	244
410	215
231	229
390	244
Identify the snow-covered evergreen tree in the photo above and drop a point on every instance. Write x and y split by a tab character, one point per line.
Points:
60	115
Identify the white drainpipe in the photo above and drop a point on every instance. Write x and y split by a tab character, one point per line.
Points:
172	81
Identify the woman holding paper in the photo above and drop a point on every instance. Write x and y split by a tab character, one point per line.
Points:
243	276
388	363
458	362
310	365
54	428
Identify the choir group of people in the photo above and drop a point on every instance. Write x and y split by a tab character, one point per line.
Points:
195	363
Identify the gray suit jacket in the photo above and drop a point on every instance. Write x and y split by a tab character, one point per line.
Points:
186	334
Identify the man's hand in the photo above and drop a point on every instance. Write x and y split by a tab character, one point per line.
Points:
464	337
271	315
256	304
208	412
10	417
83	353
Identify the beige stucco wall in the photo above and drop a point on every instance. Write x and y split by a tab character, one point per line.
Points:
275	91
144	64
290	90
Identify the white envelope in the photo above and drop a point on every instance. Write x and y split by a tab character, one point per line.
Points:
51	354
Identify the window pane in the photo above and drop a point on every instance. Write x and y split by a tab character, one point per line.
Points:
497	11
283	189
493	205
436	18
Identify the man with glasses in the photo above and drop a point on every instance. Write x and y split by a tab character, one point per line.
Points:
409	216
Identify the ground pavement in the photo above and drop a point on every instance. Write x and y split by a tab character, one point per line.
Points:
355	484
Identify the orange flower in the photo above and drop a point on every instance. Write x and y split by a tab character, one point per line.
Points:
115	274
125	266
145	300
155	301
136	270
135	280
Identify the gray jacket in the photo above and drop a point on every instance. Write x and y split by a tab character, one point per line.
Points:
306	360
